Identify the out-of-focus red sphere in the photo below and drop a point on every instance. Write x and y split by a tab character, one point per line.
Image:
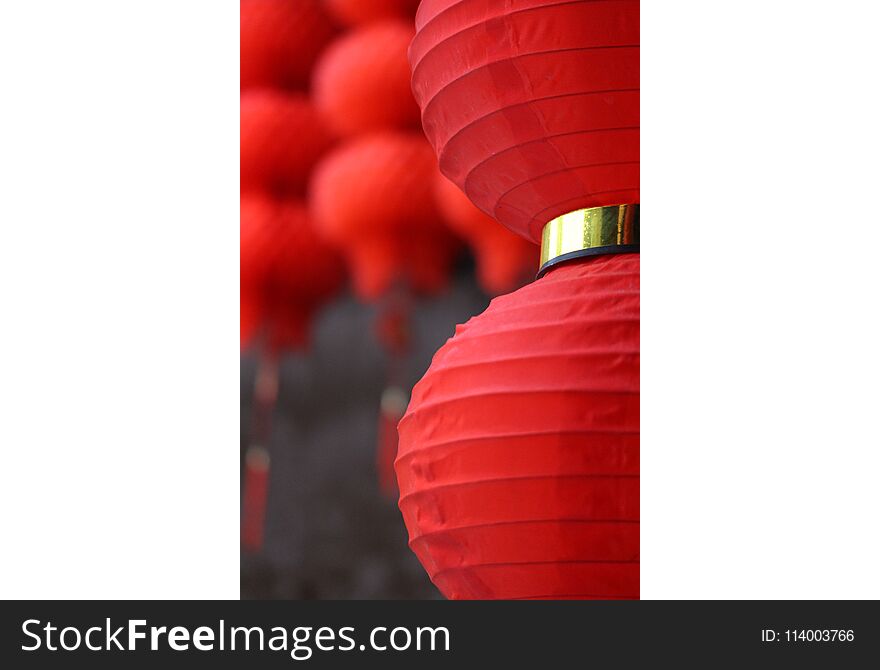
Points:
353	12
287	271
505	261
518	463
250	314
280	40
282	137
373	198
362	81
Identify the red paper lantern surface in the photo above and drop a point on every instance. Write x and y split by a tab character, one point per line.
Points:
504	260
280	40
353	12
373	199
532	105
518	464
362	82
287	271
282	137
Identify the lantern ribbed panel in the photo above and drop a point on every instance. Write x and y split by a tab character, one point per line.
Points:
362	81
532	105
518	462
280	40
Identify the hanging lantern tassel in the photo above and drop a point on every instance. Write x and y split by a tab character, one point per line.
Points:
256	490
257	459
392	409
393	331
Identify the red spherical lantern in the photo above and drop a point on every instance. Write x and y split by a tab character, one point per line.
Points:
282	137
354	12
280	40
518	463
504	260
373	199
287	271
532	106
362	82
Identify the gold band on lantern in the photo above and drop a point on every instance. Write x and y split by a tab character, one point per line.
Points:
590	232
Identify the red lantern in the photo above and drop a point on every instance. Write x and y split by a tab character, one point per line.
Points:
373	199
353	12
519	454
282	137
287	271
504	260
362	82
280	40
532	106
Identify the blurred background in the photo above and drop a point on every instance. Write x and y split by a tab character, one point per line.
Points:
358	259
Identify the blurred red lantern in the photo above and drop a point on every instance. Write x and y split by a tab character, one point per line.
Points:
373	199
504	260
287	271
362	81
532	106
280	40
250	314
519	454
353	12
282	137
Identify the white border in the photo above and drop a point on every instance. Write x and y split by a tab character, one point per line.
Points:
119	268
760	328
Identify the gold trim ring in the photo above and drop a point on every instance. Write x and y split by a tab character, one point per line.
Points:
590	232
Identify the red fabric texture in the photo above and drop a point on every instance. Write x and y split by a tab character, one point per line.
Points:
373	199
531	105
287	271
280	40
362	82
282	137
504	261
518	463
355	12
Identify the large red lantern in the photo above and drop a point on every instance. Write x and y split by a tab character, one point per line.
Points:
373	198
519	454
280	40
504	260
518	463
282	137
362	81
531	105
287	271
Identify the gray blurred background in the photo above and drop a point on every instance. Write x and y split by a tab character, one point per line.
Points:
329	532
